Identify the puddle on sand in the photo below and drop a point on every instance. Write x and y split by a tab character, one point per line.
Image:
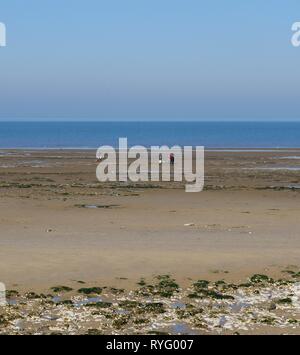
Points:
87	301
12	302
50	317
294	186
97	206
181	328
178	305
239	306
56	299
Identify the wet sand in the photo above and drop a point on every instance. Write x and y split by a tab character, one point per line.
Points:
245	222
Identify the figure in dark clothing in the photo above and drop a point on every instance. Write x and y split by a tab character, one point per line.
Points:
172	158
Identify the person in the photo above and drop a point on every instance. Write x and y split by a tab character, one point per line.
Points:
99	159
172	158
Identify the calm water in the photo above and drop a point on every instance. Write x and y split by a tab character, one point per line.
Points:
95	134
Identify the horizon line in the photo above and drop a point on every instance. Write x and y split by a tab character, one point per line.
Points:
149	121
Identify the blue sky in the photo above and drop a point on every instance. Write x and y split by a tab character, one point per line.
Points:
149	59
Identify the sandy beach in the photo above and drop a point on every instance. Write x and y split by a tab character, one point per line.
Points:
60	226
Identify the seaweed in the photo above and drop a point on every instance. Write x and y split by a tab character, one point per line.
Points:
116	291
155	307
99	304
201	284
12	293
33	295
58	289
94	332
129	304
65	302
260	278
268	320
142	282
156	332
90	290
121	321
3	320
286	300
166	286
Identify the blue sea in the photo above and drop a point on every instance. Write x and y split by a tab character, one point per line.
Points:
94	134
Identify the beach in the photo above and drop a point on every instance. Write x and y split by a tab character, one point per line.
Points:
149	170
59	225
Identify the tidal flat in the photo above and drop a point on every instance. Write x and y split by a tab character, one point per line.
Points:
64	237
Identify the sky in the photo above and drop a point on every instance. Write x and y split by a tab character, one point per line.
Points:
149	60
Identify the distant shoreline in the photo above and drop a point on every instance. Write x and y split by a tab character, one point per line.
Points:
225	149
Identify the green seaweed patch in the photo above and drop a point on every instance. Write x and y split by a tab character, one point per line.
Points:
3	321
217	295
268	320
26	186
33	295
141	321
260	278
166	286
99	304
58	289
121	321
155	307
222	285
142	282
90	290
12	293
190	312
65	302
201	284
205	293
284	282
116	291
147	291
292	321
245	285
129	304
194	295
94	332
156	332
286	300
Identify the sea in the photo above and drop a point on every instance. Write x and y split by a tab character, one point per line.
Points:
91	135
